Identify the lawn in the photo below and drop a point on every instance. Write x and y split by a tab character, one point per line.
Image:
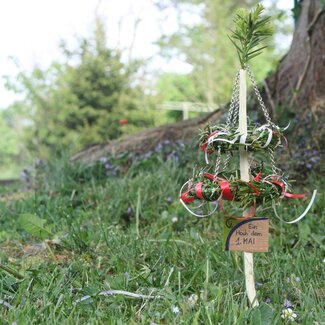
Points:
79	231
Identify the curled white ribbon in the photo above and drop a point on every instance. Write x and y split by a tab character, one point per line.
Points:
206	156
270	134
302	215
286	126
192	212
215	138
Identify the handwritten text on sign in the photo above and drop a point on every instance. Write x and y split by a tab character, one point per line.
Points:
250	235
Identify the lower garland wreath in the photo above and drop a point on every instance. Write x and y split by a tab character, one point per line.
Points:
206	187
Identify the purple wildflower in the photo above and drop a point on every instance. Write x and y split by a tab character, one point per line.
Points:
287	303
180	143
25	175
169	200
158	147
147	155
173	155
258	285
103	160
108	166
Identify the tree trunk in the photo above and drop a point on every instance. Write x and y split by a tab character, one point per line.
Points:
146	140
295	91
300	78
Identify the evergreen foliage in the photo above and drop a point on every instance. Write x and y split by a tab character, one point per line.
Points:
250	30
82	101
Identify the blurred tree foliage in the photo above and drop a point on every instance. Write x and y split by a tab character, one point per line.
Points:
202	42
93	97
9	147
176	88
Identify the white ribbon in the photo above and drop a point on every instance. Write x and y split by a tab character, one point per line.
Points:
302	215
270	135
286	126
215	138
206	156
243	138
190	211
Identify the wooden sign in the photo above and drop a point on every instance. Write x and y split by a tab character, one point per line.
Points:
251	235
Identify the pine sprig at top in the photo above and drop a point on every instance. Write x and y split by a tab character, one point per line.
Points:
251	30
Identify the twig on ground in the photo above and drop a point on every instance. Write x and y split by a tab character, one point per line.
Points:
169	275
119	292
177	241
6	304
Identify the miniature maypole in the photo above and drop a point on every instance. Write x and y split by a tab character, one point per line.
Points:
255	184
250	30
244	175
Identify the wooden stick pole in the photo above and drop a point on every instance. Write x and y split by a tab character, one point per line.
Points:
244	175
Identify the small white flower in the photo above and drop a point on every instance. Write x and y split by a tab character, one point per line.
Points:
192	300
174	219
298	279
175	310
289	314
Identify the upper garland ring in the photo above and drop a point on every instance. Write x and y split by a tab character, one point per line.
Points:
223	138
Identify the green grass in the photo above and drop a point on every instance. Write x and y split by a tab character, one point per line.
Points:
103	246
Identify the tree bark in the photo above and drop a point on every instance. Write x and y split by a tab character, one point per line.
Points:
300	78
146	140
296	90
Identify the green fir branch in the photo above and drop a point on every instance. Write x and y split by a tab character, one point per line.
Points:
251	29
